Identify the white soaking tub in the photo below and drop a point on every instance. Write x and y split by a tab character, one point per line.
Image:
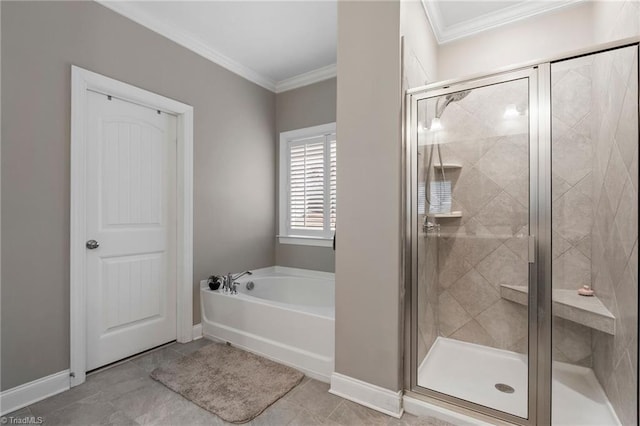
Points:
288	317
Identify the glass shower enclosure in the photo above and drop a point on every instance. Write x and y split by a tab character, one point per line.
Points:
522	223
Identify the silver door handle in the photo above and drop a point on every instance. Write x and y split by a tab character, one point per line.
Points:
92	244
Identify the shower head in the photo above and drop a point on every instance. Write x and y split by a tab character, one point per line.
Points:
457	96
451	97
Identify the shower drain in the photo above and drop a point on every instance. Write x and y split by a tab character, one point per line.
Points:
504	388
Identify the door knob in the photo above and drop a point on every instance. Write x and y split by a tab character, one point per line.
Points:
92	244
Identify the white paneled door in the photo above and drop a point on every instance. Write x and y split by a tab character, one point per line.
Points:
131	229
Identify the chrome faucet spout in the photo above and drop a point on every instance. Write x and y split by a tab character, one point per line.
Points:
227	281
230	284
242	274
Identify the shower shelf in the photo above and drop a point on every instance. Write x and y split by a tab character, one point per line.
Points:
448	166
567	304
445	215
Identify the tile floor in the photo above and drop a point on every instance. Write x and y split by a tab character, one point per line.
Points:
126	395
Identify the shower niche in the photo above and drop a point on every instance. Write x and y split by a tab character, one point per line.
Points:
523	223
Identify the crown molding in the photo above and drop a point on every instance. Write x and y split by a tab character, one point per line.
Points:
130	11
517	12
307	78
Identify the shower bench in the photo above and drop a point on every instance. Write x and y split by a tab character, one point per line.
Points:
567	304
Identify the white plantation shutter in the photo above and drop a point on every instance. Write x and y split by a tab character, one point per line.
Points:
311	186
332	183
306	185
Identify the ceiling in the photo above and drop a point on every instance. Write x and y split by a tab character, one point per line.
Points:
279	45
455	19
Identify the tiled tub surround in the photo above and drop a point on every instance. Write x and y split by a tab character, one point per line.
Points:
614	242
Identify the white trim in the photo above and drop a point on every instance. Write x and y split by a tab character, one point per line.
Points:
305	241
197	331
307	78
184	39
367	394
131	11
81	81
517	12
26	394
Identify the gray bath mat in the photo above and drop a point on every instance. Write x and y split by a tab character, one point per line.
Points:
233	384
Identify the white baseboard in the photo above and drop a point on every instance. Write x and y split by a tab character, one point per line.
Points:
197	332
363	393
16	398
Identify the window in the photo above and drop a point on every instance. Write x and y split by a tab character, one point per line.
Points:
308	185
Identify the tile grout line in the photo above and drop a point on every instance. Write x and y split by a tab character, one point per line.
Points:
67	405
118	410
337	406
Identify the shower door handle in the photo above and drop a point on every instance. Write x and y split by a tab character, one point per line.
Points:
532	249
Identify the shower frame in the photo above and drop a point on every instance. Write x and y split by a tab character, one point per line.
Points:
540	320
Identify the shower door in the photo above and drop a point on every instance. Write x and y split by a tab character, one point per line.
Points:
473	211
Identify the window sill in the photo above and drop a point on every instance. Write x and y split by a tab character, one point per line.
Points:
305	241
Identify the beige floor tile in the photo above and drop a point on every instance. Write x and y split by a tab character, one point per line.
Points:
351	414
152	360
188	348
89	411
64	399
314	397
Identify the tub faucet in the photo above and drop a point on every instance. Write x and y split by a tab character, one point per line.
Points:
230	285
226	282
242	274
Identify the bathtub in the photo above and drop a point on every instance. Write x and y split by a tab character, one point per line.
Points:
288	317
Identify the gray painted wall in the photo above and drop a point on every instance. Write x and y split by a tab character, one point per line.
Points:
234	163
368	271
296	109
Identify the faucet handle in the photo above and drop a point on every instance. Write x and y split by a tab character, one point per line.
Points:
227	280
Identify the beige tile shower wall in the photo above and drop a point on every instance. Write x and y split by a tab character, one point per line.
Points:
427	276
486	247
572	194
572	166
427	294
615	20
615	230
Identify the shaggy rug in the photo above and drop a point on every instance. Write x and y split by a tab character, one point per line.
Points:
231	383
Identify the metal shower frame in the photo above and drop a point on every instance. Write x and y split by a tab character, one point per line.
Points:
538	74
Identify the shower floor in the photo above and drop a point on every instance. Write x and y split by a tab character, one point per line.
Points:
470	372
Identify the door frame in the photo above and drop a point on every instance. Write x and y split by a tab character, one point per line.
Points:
83	81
